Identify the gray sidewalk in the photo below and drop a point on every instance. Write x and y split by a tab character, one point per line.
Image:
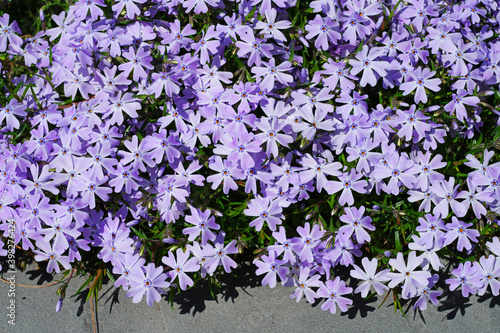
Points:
243	305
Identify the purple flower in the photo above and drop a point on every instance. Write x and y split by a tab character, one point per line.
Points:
431	230
203	223
138	60
255	47
347	183
448	192
457	57
399	168
406	272
366	62
238	149
271	72
266	210
129	267
308	240
324	28
356	223
367	159
468	276
272	267
333	291
303	285
163	81
457	104
8	33
370	277
10	111
180	266
426	294
283	245
218	255
490	270
53	254
459	229
226	172
421	79
318	169
124	176
427	174
146	281
475	197
131	8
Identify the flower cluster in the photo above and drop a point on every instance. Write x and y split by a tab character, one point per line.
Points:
165	138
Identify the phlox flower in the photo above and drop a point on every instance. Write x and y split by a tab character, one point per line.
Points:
272	267
41	182
270	72
272	28
180	266
8	33
202	222
136	155
45	251
130	265
459	229
489	268
309	239
283	245
146	281
458	102
356	27
457	57
227	170
84	6
365	61
427	174
138	60
318	101
124	176
333	291
356	223
303	285
344	250
239	149
354	104
370	277
468	276
177	38
255	47
130	5
159	145
475	197
347	183
271	135
219	254
266	210
200	6
362	152
57	230
324	28
421	79
318	168
406	272
431	229
448	191
425	294
11	112
164	80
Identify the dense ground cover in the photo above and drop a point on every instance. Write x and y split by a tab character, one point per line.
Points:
157	143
